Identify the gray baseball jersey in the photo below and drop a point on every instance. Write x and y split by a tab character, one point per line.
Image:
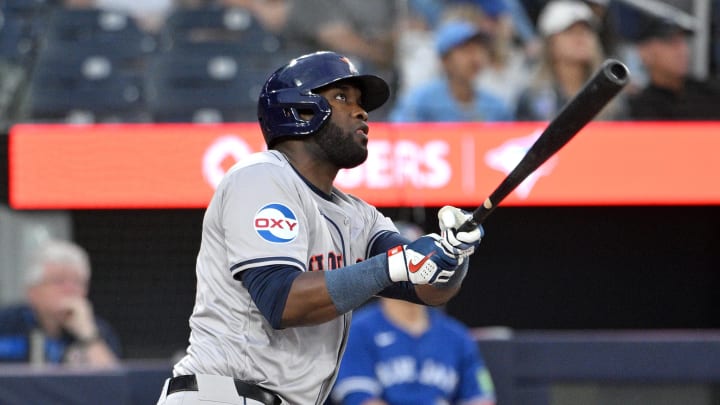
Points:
264	213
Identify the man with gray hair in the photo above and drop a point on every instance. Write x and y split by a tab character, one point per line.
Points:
57	324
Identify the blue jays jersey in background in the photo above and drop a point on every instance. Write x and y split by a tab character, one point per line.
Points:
441	366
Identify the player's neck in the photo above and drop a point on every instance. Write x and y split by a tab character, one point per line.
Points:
321	174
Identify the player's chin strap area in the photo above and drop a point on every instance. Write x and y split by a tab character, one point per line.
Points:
189	383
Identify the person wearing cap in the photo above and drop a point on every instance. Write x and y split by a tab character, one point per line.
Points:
391	352
509	63
463	49
671	93
571	55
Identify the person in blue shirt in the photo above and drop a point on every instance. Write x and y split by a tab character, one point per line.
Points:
464	50
404	353
512	11
57	325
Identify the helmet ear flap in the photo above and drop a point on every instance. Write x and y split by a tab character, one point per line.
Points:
283	110
318	110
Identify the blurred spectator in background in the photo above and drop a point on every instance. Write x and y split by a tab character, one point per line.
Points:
508	68
514	41
57	324
403	353
464	50
572	53
671	93
510	14
511	22
364	30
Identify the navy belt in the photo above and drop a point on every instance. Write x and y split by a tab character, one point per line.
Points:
189	383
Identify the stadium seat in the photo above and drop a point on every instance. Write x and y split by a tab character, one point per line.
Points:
204	88
25	7
213	30
89	68
70	88
16	40
92	32
21	23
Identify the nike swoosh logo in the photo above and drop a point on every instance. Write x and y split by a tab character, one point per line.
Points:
414	267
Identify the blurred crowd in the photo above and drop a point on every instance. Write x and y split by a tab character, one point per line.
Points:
84	61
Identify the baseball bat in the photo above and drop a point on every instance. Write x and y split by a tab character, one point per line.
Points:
605	84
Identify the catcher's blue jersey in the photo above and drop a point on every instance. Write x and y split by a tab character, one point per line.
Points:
441	366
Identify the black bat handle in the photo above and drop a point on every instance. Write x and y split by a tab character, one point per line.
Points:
478	217
468	226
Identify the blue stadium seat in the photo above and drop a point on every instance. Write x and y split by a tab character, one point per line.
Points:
16	40
89	68
213	30
188	87
70	88
21	23
25	7
87	32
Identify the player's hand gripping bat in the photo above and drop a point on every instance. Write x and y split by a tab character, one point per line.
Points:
605	84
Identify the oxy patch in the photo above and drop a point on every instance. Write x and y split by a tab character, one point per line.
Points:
276	223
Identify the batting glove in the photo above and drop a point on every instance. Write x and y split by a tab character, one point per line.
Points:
462	244
424	261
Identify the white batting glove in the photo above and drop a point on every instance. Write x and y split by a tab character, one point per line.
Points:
424	261
463	244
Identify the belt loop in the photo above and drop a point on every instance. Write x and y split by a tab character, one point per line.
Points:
243	389
182	383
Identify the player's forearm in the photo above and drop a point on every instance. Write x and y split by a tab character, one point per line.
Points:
434	296
439	294
317	297
308	302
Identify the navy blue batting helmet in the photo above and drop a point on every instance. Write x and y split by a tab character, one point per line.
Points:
290	90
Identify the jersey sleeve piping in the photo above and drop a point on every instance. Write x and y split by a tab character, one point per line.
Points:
267	261
388	239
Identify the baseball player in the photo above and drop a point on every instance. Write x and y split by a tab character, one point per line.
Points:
285	256
392	356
